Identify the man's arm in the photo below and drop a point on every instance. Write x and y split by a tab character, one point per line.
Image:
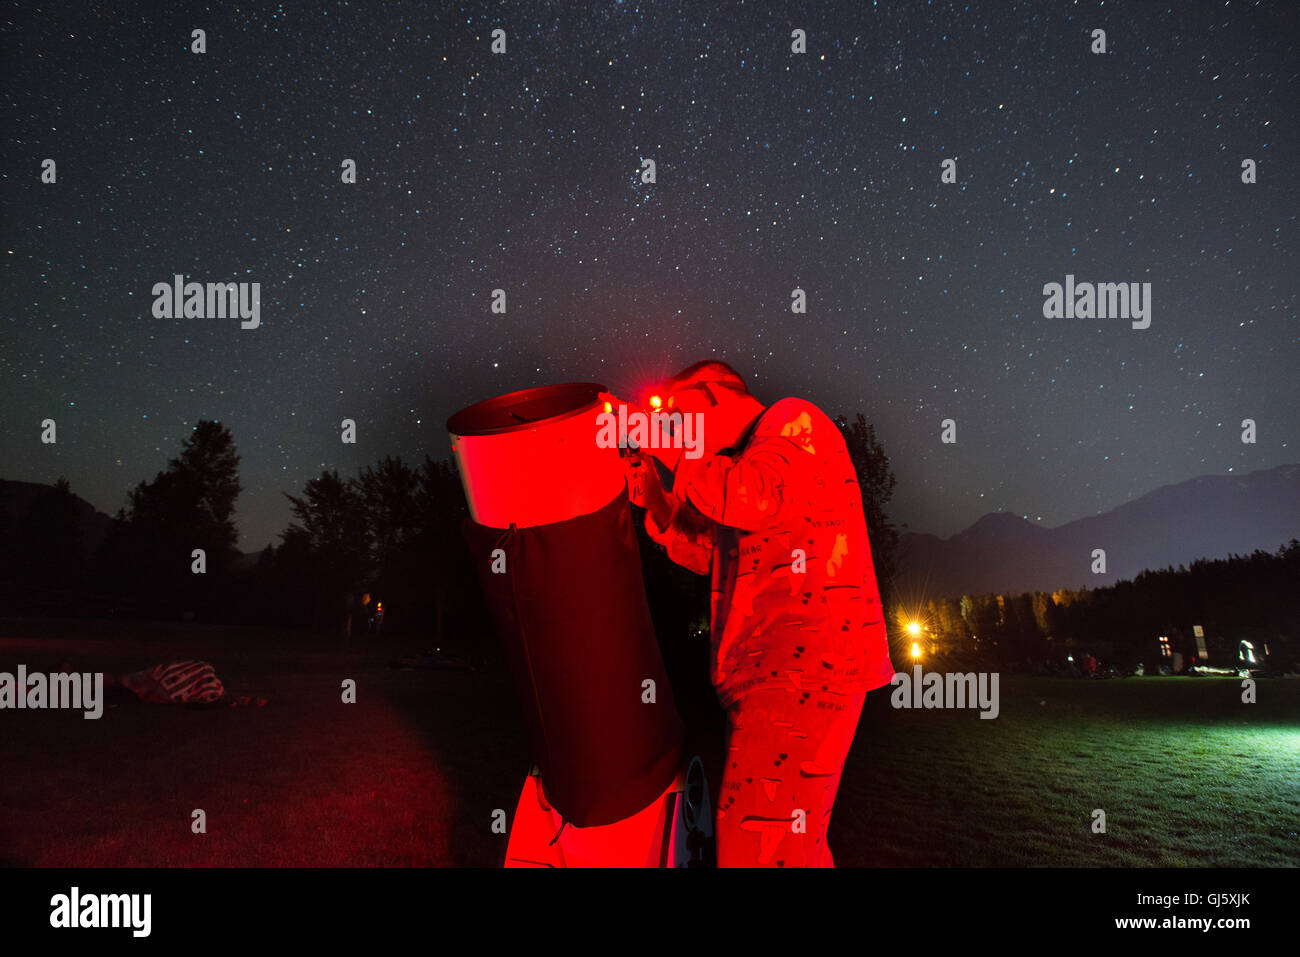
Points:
684	534
750	491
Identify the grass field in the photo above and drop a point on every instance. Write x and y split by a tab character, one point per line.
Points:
1187	775
411	773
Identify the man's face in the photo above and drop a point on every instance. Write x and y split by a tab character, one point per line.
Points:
700	399
684	400
692	397
689	399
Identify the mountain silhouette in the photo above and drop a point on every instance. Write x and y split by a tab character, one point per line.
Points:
1212	516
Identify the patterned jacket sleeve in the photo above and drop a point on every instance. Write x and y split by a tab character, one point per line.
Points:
688	539
749	491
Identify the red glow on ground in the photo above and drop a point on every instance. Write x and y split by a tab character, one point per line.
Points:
306	781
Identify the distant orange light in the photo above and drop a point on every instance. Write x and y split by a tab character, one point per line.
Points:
609	406
656	402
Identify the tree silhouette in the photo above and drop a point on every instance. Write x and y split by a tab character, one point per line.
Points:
393	531
190	505
387	492
210	464
877	482
330	537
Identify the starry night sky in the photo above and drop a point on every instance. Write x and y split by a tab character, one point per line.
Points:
774	170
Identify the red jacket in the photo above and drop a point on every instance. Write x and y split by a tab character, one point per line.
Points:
780	523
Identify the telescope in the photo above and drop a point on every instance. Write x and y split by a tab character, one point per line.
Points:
552	536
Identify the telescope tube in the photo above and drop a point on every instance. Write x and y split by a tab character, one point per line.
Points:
569	605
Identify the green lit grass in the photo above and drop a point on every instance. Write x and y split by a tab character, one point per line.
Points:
1188	777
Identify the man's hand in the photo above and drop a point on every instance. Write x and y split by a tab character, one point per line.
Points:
645	489
637	479
663	448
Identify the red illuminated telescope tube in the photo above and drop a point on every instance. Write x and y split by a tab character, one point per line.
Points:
552	537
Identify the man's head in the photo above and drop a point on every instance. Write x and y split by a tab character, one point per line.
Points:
698	388
717	392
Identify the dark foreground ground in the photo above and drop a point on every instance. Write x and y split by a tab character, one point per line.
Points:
411	773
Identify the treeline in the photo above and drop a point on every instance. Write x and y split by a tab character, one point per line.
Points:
1243	597
59	560
392	534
